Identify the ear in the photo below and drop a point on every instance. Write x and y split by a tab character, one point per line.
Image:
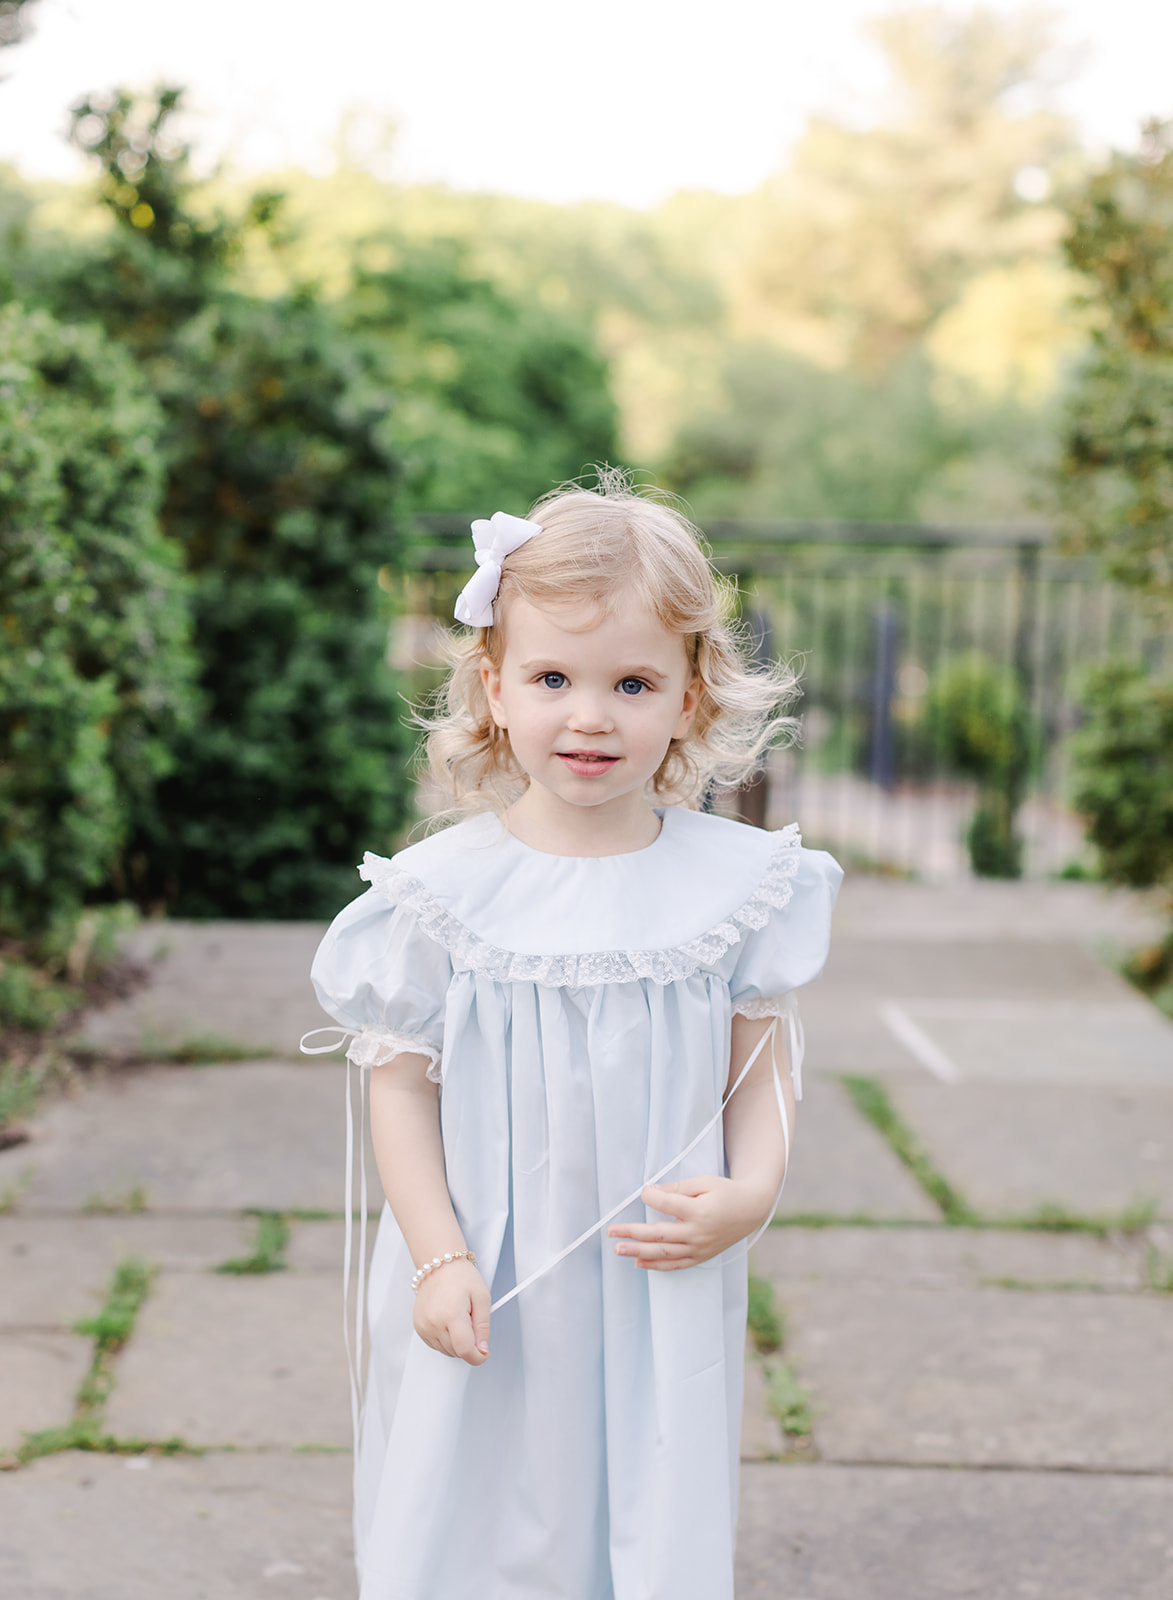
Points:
692	699
491	679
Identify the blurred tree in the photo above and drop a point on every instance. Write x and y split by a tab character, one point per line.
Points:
280	491
95	668
1115	483
794	440
500	400
871	232
976	723
1116	475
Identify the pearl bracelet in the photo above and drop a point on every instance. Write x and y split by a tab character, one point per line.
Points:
439	1261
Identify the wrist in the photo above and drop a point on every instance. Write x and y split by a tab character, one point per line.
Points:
757	1192
427	1269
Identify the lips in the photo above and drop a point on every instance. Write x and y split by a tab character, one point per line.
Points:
586	763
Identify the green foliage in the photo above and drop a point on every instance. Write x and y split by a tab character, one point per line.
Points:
1116	476
280	487
793	440
500	399
114	1323
30	999
95	670
1122	778
975	724
788	1399
281	494
763	1316
268	1252
871	1100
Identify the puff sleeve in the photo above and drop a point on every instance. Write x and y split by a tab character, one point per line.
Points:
378	974
790	949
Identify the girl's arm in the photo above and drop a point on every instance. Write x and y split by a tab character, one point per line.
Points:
712	1213
452	1306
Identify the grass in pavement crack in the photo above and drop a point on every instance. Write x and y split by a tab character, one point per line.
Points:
766	1328
110	1329
871	1101
268	1253
787	1398
1052	1218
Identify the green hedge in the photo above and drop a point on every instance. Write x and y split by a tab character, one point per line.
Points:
95	666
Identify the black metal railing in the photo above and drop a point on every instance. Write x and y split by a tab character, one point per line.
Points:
917	645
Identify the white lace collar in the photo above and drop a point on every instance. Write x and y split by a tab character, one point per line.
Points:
518	915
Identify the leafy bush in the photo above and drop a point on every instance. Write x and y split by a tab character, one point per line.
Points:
498	399
282	494
976	723
1115	483
1122	780
95	669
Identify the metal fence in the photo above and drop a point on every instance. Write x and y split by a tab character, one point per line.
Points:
876	618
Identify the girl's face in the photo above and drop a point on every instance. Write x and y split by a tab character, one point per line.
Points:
590	700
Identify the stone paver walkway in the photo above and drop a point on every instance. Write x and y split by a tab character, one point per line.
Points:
990	1409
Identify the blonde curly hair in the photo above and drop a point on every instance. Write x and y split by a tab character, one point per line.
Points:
606	547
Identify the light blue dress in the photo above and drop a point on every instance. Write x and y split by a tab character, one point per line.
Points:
576	1012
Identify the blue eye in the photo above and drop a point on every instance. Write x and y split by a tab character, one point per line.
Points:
632	686
553	680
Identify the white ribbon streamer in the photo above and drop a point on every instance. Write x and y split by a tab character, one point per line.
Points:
493	540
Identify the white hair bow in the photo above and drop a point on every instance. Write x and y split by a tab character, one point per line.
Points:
494	540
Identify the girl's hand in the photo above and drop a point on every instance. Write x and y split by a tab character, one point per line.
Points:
710	1215
452	1312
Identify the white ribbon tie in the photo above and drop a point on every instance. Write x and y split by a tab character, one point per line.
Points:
493	540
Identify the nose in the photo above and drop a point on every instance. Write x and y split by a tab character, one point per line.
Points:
588	712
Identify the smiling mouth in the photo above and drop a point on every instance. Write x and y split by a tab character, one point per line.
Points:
586	762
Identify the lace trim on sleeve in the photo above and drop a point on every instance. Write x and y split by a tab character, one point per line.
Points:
471	953
755	1009
374	1046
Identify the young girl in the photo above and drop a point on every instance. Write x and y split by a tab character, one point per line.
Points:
553	997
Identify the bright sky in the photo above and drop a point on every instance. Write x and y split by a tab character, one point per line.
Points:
620	99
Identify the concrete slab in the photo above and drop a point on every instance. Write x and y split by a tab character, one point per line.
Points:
39	1376
251	1362
243	982
823	1532
55	1269
318	1246
1091	1149
985	1377
842	1167
761	1435
949	1258
263	1133
224	1527
1030	1041
844	1011
988	911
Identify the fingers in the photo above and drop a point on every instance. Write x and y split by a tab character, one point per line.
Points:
653	1232
480	1319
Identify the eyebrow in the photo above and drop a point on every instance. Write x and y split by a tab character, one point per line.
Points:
549	665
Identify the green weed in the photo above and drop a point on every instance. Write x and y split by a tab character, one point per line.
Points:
268	1253
789	1400
204	1050
765	1323
110	1328
871	1101
1051	1217
132	1203
1158	1270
